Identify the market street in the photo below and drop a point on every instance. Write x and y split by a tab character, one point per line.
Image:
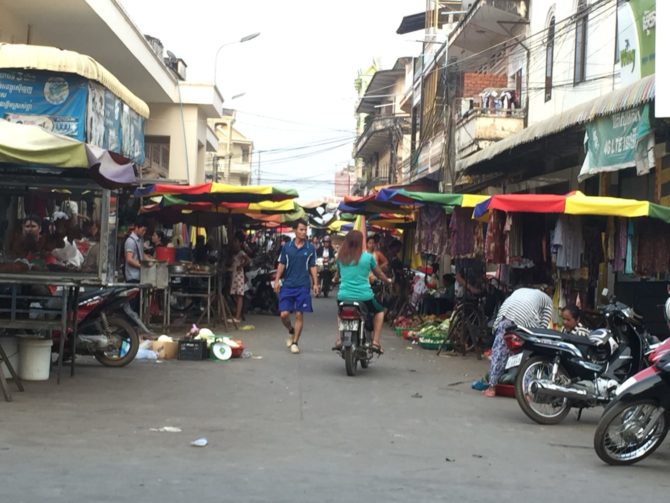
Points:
296	428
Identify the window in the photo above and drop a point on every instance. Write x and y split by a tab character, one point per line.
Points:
549	61
581	25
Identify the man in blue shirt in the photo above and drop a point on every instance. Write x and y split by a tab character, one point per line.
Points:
297	267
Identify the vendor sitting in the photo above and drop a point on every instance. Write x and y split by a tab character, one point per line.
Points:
28	249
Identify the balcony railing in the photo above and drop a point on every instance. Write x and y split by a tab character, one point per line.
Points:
483	127
379	124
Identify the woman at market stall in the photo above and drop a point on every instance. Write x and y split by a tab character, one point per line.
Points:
239	261
354	268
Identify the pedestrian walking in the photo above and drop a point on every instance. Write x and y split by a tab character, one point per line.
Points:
296	276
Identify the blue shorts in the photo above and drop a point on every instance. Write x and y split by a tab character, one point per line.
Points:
295	300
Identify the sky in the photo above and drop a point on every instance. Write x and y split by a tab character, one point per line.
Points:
297	76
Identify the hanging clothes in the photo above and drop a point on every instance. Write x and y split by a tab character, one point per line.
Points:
653	251
593	251
432	230
620	245
462	230
568	243
495	239
630	234
535	239
513	238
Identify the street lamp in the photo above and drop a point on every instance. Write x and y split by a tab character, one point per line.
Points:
216	56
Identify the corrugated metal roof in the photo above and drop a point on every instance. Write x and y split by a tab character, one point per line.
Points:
642	91
379	90
57	60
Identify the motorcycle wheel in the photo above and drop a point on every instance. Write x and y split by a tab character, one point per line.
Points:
350	361
541	410
180	304
618	439
121	331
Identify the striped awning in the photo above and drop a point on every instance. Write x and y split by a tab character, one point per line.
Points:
642	91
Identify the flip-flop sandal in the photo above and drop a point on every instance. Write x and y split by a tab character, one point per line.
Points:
377	349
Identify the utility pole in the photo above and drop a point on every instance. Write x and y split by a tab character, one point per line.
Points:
258	173
230	146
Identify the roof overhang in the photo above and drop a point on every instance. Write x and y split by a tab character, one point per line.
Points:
379	89
35	57
488	23
638	93
205	96
100	29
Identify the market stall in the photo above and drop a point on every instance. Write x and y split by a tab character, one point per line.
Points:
215	207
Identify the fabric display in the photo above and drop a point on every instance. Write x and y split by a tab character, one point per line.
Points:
567	243
653	247
462	229
495	239
432	231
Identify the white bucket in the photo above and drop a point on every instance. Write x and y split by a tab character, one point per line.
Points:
34	359
11	347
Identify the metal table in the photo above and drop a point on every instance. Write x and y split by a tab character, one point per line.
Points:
210	295
62	317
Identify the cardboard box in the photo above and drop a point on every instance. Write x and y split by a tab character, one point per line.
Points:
166	350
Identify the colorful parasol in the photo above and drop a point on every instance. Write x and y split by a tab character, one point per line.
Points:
405	197
219	192
574	203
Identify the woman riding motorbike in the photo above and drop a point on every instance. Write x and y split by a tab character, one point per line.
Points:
354	267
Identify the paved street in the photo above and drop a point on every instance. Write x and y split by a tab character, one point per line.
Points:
296	428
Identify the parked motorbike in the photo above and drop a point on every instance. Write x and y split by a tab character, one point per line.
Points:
260	295
325	270
636	422
355	326
558	371
107	326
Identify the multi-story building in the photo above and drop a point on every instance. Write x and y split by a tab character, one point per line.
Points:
383	144
176	133
232	162
344	180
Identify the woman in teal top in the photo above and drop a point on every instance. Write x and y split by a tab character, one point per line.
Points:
354	267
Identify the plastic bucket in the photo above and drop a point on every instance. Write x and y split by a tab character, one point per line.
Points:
11	347
166	254
34	359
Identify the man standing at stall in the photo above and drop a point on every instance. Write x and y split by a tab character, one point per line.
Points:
134	252
297	269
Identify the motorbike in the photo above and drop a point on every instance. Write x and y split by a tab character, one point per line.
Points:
325	271
107	326
355	326
636	422
260	295
558	371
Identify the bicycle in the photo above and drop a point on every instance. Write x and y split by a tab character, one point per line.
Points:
467	327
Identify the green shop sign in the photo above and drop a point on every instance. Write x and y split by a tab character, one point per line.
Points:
619	141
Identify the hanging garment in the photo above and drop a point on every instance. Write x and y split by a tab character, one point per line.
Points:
495	239
568	243
432	230
620	245
630	234
513	238
653	250
593	251
534	238
462	230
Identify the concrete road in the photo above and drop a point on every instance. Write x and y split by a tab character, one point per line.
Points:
295	428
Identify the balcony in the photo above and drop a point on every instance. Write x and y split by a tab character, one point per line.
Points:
482	127
376	136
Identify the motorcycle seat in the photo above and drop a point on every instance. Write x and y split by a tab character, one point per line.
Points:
555	334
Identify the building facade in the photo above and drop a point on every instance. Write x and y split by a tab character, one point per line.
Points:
177	135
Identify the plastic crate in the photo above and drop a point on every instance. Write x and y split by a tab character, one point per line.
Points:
192	350
430	344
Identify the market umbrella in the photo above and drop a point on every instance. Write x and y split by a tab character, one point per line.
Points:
219	192
574	203
24	144
405	197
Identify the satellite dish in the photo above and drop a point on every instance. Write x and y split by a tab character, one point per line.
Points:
171	55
